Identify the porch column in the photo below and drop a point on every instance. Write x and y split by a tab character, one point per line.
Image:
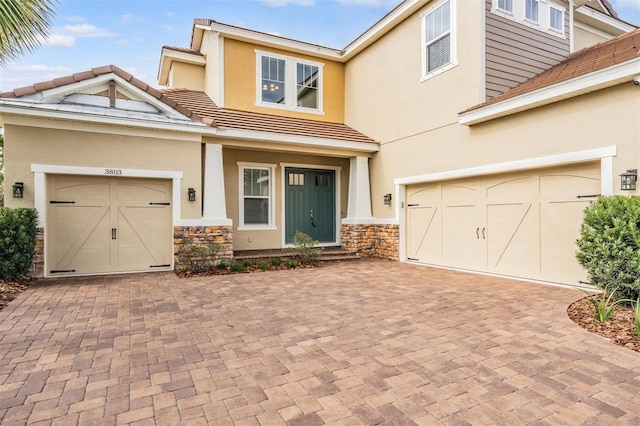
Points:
215	207
359	207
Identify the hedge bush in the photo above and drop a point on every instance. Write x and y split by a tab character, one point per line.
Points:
17	242
609	244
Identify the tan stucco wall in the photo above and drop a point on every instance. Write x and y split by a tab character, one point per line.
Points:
240	82
384	97
25	146
583	38
599	119
186	76
250	240
210	48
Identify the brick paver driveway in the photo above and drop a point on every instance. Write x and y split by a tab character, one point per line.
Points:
353	343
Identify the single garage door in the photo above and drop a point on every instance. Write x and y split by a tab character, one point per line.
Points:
522	224
101	225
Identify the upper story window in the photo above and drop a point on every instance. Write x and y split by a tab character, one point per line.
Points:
531	10
288	83
438	38
543	15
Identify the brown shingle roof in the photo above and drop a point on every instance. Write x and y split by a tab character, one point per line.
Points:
96	72
595	58
202	105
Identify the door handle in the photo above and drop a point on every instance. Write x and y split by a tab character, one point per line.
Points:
113	233
477	232
313	222
483	236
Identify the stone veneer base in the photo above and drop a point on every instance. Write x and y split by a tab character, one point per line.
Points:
372	240
202	235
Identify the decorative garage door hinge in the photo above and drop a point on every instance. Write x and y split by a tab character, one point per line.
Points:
412	258
59	271
61	202
588	196
413	205
160	266
159	204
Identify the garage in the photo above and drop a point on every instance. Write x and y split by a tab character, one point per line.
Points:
99	225
522	224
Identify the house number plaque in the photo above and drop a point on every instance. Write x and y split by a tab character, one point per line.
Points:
113	172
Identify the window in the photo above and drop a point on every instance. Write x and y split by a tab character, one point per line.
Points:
506	5
256	196
288	83
438	37
531	10
556	18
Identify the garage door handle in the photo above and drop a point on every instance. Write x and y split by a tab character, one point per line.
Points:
477	232
483	236
113	233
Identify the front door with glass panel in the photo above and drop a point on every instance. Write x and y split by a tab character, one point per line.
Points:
310	204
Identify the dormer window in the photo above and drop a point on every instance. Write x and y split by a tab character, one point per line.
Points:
288	83
531	10
543	15
506	5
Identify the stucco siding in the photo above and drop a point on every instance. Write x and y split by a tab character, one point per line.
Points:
186	76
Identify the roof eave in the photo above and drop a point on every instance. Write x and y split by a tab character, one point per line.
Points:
609	22
167	57
310	141
611	76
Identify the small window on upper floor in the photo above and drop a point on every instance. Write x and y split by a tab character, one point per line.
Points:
531	10
506	5
556	18
288	83
438	38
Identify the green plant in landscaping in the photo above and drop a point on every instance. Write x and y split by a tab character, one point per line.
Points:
605	303
276	262
17	242
222	265
246	263
636	311
263	266
197	258
305	248
291	263
609	244
237	267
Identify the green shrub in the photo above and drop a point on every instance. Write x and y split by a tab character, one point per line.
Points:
222	265
197	258
18	229
305	248
263	266
636	312
237	267
605	303
246	263
609	245
291	263
276	262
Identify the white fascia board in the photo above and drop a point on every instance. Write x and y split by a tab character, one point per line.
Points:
275	41
229	133
168	56
597	80
605	19
512	166
32	111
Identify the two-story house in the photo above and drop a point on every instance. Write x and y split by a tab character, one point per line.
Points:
467	136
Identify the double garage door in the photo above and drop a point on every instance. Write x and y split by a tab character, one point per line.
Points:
521	224
106	225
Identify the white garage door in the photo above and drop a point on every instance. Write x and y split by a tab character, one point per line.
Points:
107	225
522	224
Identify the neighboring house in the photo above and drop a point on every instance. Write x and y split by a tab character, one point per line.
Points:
463	137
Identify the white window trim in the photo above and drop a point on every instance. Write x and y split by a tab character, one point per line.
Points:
529	20
544	16
505	11
290	83
271	226
453	60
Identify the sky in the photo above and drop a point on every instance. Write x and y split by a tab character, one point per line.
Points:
130	33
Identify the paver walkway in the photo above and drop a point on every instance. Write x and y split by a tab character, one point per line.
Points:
369	342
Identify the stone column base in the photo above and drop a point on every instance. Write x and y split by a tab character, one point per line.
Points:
203	235
372	240
37	268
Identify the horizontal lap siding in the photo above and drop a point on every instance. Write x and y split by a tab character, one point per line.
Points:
515	52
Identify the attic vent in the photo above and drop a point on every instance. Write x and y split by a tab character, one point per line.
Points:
112	94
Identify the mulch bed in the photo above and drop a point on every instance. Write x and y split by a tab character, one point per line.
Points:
620	329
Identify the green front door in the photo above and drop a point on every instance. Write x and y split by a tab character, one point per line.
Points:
310	204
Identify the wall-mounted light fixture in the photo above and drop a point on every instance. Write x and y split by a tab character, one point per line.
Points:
18	189
387	199
628	180
192	194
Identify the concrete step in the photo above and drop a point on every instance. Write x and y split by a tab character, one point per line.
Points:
329	254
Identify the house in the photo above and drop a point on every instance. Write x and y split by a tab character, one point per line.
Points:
460	137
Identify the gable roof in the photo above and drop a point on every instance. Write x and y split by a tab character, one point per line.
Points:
605	64
225	118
